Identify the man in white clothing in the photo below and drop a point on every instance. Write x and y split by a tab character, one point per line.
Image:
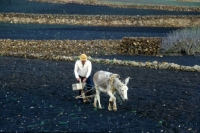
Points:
82	71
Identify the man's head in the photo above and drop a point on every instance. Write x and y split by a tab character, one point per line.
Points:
83	58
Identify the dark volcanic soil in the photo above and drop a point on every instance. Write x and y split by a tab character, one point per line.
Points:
72	32
36	96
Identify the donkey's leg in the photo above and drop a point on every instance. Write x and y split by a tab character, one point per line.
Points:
113	99
95	101
110	104
114	104
98	99
95	98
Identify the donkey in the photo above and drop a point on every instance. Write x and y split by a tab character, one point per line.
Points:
109	83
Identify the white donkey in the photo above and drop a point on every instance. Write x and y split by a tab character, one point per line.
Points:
109	83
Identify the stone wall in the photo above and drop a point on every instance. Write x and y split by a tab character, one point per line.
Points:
102	20
141	45
63	50
50	48
69	50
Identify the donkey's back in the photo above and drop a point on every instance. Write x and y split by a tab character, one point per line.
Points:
101	78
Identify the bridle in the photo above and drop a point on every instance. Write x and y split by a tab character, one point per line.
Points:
121	85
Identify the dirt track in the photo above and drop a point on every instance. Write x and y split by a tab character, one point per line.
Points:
36	95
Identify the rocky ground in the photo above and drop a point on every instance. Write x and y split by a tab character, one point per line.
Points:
36	96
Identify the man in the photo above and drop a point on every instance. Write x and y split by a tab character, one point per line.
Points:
82	71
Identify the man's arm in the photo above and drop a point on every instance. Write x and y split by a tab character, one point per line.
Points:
89	70
76	70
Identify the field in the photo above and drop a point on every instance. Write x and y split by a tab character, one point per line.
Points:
36	95
72	32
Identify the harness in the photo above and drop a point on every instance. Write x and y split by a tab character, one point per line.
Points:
112	87
111	79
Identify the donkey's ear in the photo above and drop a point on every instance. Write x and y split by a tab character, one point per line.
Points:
126	80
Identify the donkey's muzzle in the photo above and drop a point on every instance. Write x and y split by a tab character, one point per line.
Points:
125	99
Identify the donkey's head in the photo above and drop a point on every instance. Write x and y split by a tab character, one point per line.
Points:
122	88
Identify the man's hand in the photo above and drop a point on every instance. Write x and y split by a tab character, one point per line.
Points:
79	79
84	79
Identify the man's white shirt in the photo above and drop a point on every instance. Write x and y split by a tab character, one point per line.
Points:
82	70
